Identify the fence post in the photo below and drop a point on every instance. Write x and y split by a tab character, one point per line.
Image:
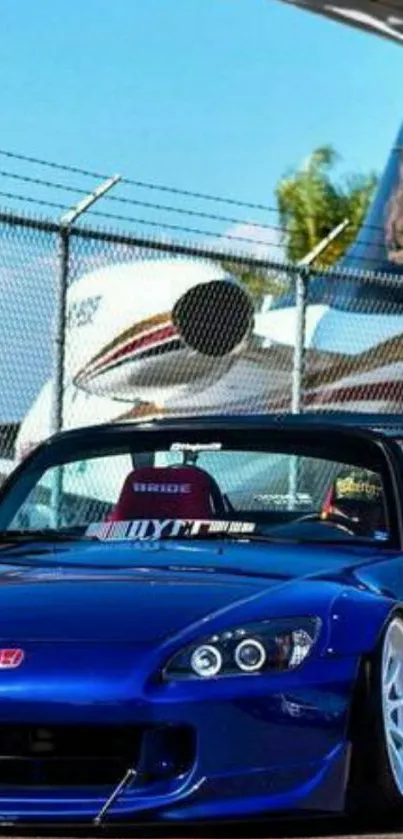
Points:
60	346
60	328
301	299
66	222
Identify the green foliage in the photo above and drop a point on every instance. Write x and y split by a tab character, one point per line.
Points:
311	204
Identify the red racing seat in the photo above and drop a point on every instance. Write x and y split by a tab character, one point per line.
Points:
173	492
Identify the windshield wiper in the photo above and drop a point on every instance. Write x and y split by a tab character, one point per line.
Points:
273	539
45	535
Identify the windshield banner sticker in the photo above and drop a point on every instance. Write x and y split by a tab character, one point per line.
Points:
152	529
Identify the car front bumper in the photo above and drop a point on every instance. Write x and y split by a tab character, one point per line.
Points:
259	746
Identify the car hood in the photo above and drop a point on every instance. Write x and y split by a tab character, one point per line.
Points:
126	592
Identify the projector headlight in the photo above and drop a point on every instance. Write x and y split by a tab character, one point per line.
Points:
269	646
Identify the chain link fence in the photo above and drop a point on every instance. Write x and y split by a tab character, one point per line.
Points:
99	327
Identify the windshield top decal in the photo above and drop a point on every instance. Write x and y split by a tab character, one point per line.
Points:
195	447
152	529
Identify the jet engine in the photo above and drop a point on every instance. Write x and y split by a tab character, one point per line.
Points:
214	318
180	351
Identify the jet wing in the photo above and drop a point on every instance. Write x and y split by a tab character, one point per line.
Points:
379	18
280	357
260	380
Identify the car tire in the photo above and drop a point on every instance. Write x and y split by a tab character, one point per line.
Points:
376	778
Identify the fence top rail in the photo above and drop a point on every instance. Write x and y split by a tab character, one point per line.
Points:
222	255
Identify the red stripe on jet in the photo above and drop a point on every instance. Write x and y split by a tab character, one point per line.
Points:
136	344
381	391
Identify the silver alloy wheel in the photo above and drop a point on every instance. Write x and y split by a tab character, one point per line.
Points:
392	697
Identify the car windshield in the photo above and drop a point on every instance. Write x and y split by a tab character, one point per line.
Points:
271	493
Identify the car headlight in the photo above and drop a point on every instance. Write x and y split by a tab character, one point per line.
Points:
272	645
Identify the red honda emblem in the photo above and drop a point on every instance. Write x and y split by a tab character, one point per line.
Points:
10	659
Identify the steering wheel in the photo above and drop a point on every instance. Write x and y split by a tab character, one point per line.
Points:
333	519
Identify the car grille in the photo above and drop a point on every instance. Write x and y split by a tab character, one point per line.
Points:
74	756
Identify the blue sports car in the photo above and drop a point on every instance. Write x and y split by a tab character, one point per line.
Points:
202	619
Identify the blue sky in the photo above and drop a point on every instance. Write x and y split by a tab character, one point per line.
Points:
218	96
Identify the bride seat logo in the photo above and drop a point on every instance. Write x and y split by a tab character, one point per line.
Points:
168	489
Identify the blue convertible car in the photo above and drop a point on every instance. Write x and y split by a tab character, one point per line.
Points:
203	619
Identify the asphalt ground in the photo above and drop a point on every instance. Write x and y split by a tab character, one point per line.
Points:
319	828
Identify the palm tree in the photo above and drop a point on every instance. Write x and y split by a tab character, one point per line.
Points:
311	204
